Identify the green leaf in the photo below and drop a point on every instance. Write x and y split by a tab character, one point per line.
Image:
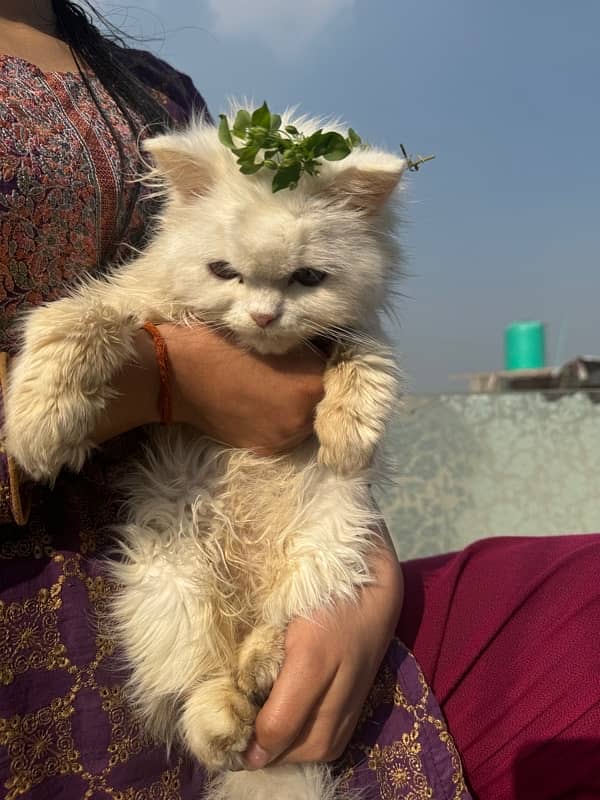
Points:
332	146
244	153
288	153
250	169
289	157
224	132
262	116
286	176
311	142
248	156
257	137
311	167
243	120
337	155
354	138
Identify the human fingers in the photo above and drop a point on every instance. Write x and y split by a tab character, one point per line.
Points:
296	695
352	638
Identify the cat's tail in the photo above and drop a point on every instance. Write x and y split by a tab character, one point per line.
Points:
288	782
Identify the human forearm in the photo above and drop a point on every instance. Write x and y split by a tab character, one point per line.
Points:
14	495
329	666
388	587
96	377
135	394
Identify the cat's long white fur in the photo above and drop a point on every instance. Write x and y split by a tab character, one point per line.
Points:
221	549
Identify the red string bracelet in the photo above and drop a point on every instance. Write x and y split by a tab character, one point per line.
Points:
162	359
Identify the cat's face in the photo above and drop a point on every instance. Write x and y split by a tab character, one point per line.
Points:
277	269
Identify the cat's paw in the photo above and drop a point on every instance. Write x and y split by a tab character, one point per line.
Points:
361	390
343	459
259	661
59	384
345	445
217	723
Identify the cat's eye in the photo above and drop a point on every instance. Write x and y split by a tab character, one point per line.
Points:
308	276
224	270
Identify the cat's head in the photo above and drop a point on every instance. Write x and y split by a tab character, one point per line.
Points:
276	269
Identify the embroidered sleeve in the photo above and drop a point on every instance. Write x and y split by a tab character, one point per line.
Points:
14	495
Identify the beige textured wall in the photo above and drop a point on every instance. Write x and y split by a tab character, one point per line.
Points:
471	466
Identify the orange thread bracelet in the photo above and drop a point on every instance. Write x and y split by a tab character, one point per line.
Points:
162	359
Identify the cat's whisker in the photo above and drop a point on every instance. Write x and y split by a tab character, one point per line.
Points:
310	345
341	335
328	331
215	324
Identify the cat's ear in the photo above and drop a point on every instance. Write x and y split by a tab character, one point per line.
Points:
186	168
367	182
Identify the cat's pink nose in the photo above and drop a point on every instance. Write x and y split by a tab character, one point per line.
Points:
262	320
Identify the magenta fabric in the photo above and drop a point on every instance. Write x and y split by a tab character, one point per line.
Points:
507	633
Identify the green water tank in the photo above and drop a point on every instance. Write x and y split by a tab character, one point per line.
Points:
525	345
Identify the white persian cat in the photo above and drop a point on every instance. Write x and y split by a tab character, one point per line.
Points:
221	548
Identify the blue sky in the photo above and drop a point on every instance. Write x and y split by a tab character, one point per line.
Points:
504	224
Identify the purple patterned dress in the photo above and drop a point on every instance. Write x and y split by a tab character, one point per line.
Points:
65	727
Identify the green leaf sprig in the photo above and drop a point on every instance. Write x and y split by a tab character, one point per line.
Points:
259	141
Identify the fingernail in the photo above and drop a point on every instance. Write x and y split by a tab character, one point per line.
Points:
256	757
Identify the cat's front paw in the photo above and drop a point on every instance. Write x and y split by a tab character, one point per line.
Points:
217	723
259	661
361	390
59	384
346	446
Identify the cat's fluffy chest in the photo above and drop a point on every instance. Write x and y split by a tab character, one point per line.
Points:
230	519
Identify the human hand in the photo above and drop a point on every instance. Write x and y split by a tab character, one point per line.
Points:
240	398
330	663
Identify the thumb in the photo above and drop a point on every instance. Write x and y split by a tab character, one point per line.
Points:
297	690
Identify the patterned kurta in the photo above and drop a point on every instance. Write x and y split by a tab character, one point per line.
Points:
65	727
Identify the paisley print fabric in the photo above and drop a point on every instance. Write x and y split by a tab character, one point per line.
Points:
60	178
59	185
65	727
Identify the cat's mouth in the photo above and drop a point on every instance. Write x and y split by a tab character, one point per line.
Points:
267	341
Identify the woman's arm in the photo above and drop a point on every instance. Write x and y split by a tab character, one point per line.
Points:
330	663
14	495
263	403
